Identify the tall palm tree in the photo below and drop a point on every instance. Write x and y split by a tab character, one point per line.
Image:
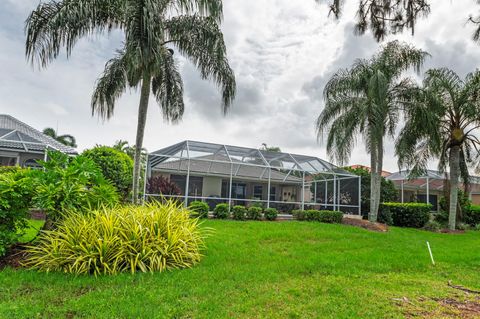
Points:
366	101
152	28
443	123
65	139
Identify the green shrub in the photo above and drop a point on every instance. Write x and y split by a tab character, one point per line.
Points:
16	193
239	212
299	214
323	216
385	217
221	211
462	226
131	239
476	227
270	213
200	208
414	215
116	166
254	213
471	215
433	226
68	184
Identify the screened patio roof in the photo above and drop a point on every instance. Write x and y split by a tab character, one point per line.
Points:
220	153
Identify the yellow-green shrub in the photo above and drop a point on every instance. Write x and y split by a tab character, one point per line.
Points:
149	238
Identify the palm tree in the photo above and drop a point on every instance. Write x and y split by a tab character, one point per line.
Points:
146	59
443	124
367	100
65	139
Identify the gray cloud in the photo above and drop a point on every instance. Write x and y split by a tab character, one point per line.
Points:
282	52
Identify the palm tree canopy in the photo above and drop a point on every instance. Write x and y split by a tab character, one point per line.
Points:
445	115
65	139
150	27
366	100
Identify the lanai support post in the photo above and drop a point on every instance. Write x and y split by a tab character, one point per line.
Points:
402	196
230	187
326	194
359	195
334	192
187	183
269	186
428	190
303	190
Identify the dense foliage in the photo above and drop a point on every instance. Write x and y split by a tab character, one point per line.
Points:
414	215
116	166
221	211
323	216
199	208
270	213
72	183
16	193
149	238
471	215
254	213
239	212
160	185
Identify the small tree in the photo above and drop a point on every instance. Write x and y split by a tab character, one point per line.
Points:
162	186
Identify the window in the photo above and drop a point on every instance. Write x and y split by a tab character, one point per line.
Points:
273	193
258	192
422	198
195	184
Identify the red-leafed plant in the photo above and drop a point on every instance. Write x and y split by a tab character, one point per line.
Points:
163	186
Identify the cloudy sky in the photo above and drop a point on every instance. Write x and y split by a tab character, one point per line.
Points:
282	51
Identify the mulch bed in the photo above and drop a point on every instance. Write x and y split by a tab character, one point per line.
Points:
365	224
14	257
449	231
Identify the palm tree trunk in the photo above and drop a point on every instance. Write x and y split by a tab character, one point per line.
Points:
454	173
142	119
372	216
379	176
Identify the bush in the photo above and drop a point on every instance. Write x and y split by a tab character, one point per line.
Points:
239	212
323	216
471	215
414	215
385	217
131	239
299	214
221	211
270	213
159	185
254	213
462	226
433	226
68	184
16	193
116	166
199	208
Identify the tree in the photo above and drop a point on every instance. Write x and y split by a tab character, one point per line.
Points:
146	59
116	166
267	148
443	123
367	100
66	139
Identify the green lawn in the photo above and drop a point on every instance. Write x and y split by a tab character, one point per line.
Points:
266	270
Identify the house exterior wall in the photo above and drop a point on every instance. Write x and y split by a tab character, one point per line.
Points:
212	186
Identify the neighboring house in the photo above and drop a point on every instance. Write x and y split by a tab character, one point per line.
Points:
384	173
430	185
239	175
21	144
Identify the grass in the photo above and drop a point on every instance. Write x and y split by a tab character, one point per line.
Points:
266	270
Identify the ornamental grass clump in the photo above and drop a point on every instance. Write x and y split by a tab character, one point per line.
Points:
150	238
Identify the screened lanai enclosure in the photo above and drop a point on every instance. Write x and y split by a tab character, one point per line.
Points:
216	173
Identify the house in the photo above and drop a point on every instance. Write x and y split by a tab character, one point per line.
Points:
21	144
243	176
431	185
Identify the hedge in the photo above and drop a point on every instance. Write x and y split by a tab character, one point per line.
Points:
414	215
221	211
200	208
322	216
